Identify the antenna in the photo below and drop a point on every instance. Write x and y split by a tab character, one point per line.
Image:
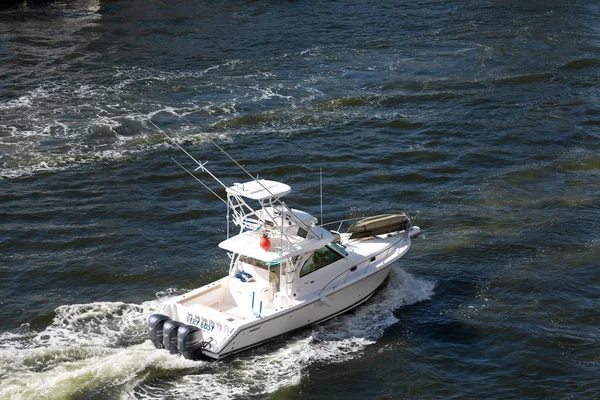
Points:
321	181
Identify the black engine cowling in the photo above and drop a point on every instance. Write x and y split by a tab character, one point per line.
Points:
189	342
155	329
170	335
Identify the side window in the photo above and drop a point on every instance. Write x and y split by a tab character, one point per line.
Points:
319	259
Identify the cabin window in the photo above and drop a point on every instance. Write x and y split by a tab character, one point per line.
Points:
319	259
339	248
303	233
253	261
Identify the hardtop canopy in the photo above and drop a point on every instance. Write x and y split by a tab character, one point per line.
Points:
261	189
248	244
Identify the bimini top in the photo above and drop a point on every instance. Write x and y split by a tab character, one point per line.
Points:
261	189
282	247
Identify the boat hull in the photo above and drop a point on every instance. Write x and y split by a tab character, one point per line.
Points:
309	312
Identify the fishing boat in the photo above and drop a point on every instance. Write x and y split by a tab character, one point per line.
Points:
286	273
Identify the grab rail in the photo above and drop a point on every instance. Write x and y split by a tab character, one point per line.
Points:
337	276
341	221
369	261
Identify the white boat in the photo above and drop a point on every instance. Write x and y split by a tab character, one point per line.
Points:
286	273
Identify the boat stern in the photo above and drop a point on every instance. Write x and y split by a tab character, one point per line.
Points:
182	331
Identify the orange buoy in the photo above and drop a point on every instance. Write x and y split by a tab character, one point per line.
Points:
265	243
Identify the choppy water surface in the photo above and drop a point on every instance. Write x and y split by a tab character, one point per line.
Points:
480	118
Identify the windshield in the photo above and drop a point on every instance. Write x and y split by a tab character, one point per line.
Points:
338	248
257	263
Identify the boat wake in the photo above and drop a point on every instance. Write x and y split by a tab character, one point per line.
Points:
101	349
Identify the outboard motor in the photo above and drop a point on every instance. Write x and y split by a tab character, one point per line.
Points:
189	342
155	329
170	335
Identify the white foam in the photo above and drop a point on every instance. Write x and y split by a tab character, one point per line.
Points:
101	346
80	351
26	101
102	324
44	130
274	366
113	368
33	116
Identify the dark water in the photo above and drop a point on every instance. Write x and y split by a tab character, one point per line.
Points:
480	118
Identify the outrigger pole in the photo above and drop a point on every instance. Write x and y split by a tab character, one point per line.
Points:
201	166
196	178
249	174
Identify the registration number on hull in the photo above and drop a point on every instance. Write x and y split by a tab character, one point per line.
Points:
199	322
